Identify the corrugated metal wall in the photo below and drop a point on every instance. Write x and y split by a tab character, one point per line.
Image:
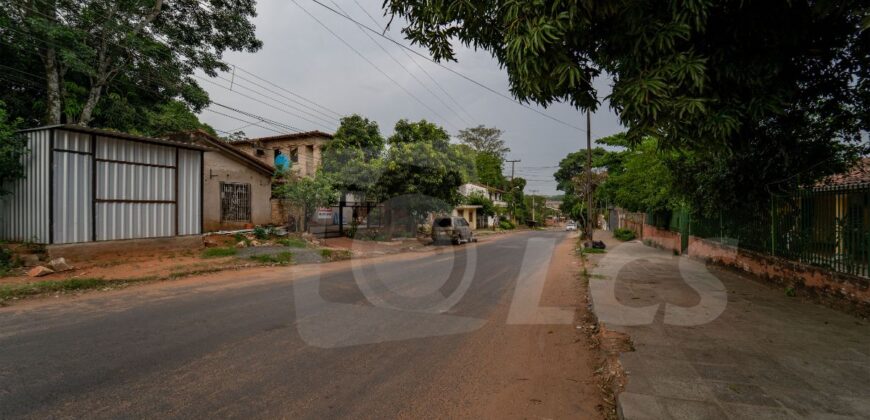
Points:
102	188
24	213
72	187
189	192
135	189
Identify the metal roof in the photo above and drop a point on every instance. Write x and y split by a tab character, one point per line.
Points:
117	134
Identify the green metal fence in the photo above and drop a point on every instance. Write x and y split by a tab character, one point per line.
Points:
826	227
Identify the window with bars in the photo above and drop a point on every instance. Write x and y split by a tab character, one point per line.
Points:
235	202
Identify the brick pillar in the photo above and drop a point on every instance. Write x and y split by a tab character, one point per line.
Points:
317	156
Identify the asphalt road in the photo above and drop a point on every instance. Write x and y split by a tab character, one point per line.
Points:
420	335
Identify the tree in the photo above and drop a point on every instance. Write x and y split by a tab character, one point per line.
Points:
306	192
422	172
484	140
774	87
94	54
570	168
12	149
354	157
489	169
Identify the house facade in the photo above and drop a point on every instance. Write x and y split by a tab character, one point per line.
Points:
472	213
301	152
237	187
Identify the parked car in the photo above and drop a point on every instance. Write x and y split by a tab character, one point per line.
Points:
570	226
451	229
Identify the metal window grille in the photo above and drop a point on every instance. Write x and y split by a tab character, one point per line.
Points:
235	202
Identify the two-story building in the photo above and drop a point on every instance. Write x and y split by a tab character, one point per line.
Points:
302	152
471	212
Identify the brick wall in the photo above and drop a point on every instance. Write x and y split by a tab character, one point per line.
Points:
844	291
661	238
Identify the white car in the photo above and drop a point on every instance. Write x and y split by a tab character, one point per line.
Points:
570	226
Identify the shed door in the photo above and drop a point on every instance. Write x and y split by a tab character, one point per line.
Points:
235	202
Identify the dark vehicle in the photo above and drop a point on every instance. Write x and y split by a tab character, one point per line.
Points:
451	229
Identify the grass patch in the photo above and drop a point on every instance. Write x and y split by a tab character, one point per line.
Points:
593	251
219	252
624	234
334	255
283	258
293	242
50	286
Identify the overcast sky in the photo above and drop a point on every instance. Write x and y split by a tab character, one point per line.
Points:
302	57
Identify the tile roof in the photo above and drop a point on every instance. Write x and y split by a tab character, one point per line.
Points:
859	174
294	136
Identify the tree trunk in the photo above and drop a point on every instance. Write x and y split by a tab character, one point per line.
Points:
52	77
93	99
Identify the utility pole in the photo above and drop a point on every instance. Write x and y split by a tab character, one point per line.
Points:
512	162
590	225
533	203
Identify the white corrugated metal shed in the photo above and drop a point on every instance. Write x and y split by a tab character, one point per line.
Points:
84	184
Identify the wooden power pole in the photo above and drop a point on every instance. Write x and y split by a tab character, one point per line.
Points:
512	162
589	224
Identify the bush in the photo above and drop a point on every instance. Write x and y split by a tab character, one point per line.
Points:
218	252
293	242
261	233
283	258
624	234
506	225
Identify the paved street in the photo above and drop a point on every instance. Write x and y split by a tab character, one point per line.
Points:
289	342
747	352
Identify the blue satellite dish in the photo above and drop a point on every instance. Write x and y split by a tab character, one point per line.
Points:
282	162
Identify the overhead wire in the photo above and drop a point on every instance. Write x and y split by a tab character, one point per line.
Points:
164	42
491	90
371	63
410	73
422	69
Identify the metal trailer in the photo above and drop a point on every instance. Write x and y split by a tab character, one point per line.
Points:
83	185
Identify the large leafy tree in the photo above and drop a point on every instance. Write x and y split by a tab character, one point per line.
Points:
489	169
106	62
422	161
772	87
484	140
355	155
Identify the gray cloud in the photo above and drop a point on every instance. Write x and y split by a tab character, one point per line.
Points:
301	56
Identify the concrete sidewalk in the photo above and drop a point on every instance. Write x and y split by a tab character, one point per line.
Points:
764	356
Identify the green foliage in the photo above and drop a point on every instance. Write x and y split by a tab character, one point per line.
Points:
283	258
484	140
50	286
335	254
261	232
170	117
422	161
7	260
506	225
218	252
624	234
489	170
308	192
354	158
13	147
293	242
758	95
643	181
478	199
114	64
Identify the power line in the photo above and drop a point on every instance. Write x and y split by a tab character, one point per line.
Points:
410	73
164	42
565	123
361	55
258	101
234	83
414	60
